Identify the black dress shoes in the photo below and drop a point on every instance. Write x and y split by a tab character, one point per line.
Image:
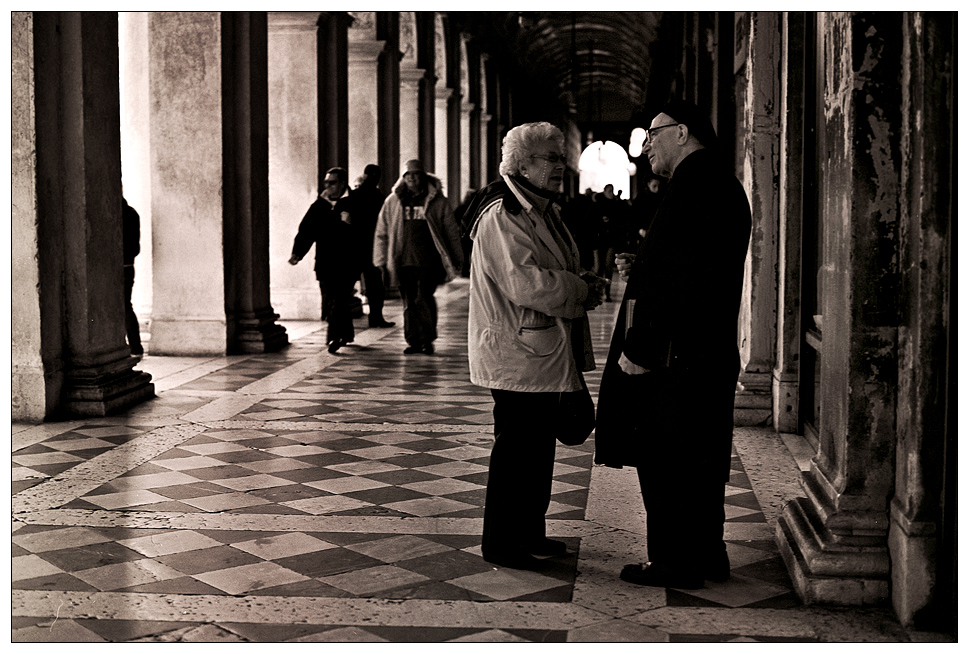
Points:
517	559
420	349
382	323
650	574
546	547
333	346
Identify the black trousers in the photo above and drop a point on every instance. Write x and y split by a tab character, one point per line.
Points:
684	513
520	470
373	281
336	290
417	286
130	319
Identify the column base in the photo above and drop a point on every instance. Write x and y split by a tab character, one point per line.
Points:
784	400
102	390
260	334
826	570
753	404
914	551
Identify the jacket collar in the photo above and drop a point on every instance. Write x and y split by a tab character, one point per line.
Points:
530	202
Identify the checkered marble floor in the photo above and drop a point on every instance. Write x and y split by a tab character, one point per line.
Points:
309	497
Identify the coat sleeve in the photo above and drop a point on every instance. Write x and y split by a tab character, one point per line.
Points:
509	258
305	235
381	234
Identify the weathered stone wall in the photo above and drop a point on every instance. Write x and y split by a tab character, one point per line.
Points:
27	385
927	189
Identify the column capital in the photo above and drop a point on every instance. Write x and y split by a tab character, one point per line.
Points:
443	93
411	76
467	107
292	21
364	51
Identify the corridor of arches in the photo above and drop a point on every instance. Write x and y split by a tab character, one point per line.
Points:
238	449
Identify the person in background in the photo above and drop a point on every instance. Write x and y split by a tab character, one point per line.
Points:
327	224
367	200
667	395
131	238
645	206
418	244
528	337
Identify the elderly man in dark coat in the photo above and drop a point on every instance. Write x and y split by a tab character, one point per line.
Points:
667	392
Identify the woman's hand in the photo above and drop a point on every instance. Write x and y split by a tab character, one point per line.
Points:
624	262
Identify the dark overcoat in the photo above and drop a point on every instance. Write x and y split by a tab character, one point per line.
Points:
686	284
336	243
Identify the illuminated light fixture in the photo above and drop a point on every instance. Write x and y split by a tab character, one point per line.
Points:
632	168
636	140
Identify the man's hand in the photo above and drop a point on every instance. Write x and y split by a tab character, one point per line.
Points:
629	367
624	262
293	260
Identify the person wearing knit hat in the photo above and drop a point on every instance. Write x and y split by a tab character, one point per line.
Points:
417	244
675	340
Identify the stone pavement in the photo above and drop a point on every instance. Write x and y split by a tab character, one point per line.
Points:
303	496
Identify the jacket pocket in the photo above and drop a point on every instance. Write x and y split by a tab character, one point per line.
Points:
541	341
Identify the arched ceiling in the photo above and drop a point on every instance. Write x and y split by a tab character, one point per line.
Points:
596	63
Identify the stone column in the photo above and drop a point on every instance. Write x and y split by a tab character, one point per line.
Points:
785	372
441	99
245	116
87	367
410	147
485	122
28	386
332	102
921	536
758	311
388	99
834	541
294	144
363	50
466	109
187	142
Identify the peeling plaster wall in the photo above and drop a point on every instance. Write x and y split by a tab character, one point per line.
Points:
860	160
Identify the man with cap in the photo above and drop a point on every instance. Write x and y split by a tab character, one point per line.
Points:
367	200
418	243
667	393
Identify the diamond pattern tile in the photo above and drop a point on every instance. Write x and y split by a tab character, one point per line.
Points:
363	479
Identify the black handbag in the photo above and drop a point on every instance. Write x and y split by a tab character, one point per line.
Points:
576	416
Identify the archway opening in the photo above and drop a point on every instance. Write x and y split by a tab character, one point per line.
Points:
603	163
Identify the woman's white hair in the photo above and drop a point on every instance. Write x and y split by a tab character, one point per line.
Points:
519	143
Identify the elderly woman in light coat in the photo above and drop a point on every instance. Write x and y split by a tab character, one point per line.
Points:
527	320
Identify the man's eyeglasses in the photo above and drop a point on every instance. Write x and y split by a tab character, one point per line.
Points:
649	132
552	157
330	182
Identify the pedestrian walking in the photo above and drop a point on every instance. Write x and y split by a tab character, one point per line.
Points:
327	225
418	243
